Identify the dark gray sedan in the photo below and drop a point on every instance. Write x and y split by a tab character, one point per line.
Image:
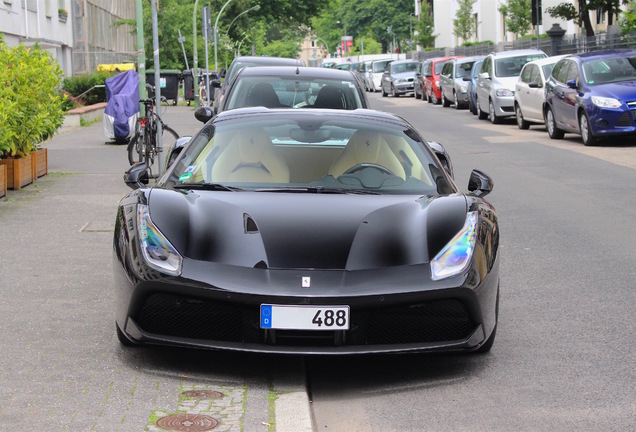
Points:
399	77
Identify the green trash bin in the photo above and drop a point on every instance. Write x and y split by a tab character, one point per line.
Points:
168	83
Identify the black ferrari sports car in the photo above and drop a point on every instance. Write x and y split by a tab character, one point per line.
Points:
307	231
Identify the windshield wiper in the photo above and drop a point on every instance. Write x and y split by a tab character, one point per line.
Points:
207	187
319	190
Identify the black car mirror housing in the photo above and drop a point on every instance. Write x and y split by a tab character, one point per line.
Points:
203	114
480	184
137	175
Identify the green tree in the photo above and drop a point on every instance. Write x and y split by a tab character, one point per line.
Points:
517	16
426	27
581	17
628	20
464	25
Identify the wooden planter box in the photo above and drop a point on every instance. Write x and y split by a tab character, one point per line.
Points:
40	163
19	171
3	180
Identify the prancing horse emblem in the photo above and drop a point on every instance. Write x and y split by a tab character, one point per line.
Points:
306	283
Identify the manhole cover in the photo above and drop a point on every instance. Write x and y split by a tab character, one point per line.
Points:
203	394
187	422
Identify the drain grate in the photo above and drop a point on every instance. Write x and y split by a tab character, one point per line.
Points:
187	423
203	394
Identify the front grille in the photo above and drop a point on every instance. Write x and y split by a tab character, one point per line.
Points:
435	321
624	120
507	109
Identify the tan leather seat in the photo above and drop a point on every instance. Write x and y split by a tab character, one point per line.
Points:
366	147
250	157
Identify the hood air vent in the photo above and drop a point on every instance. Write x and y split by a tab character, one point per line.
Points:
249	225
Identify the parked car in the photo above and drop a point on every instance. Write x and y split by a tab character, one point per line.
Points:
592	94
291	87
274	232
421	80
377	70
496	82
472	86
368	75
434	68
398	77
241	62
530	91
417	89
454	80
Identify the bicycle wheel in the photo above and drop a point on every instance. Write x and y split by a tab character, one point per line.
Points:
136	149
168	139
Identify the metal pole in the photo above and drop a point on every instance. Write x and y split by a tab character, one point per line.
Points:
182	40
141	56
206	16
155	57
538	21
216	24
195	60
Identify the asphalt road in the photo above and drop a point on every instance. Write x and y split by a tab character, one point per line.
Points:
564	358
565	354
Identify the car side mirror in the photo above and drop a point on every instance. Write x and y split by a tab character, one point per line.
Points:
535	84
215	83
222	72
443	157
137	175
480	184
203	114
572	84
484	75
466	79
176	150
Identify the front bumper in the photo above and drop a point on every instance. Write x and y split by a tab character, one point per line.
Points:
391	310
607	122
403	88
504	105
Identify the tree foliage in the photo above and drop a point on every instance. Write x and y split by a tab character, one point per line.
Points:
426	27
581	17
517	16
628	20
463	23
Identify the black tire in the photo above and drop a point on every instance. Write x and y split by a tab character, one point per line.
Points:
458	106
480	114
550	124
445	102
586	133
428	98
434	98
393	93
417	95
136	149
493	116
384	94
471	106
123	339
520	121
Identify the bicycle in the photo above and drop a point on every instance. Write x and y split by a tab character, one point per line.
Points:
143	146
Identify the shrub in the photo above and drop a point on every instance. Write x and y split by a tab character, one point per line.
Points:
30	104
78	85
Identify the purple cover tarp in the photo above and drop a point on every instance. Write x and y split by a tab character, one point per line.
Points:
122	105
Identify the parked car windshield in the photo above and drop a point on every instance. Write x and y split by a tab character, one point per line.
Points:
439	66
463	70
403	67
614	69
311	153
511	66
380	66
294	92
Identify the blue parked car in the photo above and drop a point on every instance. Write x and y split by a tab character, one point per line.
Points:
592	94
472	91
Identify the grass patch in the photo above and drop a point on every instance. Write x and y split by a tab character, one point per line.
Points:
85	123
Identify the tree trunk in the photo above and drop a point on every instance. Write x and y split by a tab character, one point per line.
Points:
585	17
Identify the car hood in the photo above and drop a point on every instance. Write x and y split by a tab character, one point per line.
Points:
624	91
507	82
305	230
403	75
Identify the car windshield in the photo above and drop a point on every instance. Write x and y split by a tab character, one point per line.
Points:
293	92
303	153
403	67
240	64
511	66
463	70
608	70
380	65
439	66
547	70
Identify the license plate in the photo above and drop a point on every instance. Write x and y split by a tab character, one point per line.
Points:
304	317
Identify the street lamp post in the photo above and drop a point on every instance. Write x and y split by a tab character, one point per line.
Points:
253	8
411	28
216	41
323	41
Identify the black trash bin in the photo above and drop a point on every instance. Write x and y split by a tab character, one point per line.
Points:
169	83
188	85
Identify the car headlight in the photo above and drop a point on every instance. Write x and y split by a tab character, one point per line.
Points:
155	248
605	102
463	89
400	81
455	257
505	92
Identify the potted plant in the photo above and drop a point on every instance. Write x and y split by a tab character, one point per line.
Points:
62	14
30	110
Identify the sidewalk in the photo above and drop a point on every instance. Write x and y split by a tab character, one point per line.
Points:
62	367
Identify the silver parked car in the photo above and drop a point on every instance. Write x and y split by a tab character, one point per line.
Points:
454	81
398	77
496	82
377	70
530	91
